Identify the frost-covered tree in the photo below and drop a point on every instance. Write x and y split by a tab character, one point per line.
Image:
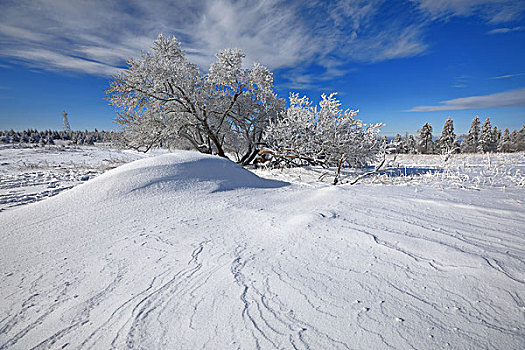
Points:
405	143
505	144
520	146
514	141
446	141
411	145
326	135
486	137
35	137
426	145
163	96
470	145
399	144
42	142
496	136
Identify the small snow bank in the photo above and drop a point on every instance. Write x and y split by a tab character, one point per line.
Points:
179	171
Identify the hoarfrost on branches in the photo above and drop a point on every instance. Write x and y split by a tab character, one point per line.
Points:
163	98
447	141
327	136
426	145
486	137
470	145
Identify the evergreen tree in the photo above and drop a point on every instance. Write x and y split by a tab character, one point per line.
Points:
504	144
405	143
411	145
425	139
521	139
398	142
485	137
496	136
446	141
514	141
471	141
457	145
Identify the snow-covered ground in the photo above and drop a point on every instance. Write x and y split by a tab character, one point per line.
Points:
467	171
29	174
184	251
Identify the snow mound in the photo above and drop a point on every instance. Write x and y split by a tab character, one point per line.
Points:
173	172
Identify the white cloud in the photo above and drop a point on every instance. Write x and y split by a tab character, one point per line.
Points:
508	76
494	11
510	98
505	30
461	82
96	36
55	61
85	35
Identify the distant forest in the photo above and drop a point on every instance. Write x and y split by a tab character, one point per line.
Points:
48	137
481	138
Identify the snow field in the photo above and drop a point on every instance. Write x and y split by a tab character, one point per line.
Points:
191	251
31	174
464	171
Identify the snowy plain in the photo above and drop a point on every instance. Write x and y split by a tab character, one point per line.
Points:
186	251
30	174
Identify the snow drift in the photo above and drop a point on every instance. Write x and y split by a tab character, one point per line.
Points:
188	251
170	173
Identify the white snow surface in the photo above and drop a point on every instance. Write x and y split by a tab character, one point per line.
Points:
187	251
30	174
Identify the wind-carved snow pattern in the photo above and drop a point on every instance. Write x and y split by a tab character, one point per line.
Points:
191	251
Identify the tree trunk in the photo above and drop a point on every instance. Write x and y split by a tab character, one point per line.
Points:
248	157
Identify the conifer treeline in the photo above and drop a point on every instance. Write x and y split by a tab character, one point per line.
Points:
479	139
48	137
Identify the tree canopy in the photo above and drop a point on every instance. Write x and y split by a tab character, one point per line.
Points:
163	97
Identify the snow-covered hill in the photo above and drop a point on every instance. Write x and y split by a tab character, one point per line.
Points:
185	251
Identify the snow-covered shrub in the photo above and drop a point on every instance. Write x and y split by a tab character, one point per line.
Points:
163	97
327	135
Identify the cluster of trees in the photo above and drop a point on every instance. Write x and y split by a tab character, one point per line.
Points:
48	137
481	138
164	99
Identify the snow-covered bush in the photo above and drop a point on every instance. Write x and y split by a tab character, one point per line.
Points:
327	135
163	97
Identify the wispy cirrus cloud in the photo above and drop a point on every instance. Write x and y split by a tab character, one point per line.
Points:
275	33
96	36
461	81
494	11
510	98
507	76
505	30
55	61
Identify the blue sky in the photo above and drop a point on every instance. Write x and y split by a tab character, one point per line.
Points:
402	63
